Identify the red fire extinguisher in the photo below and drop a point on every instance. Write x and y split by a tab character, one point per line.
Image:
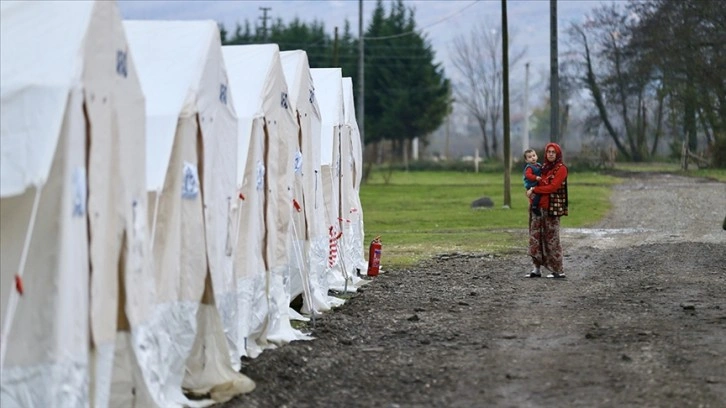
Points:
374	256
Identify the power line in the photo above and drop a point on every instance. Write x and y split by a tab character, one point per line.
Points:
385	47
265	17
425	27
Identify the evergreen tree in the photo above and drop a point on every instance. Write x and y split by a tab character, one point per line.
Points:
295	36
348	53
407	94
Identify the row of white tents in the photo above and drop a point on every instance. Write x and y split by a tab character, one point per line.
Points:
163	199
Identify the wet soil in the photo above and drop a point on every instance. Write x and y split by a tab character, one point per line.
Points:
640	321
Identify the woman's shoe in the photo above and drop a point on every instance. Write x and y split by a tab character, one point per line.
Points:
533	274
555	275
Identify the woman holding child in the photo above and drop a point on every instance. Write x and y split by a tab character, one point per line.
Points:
544	228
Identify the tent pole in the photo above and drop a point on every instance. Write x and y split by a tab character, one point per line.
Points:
13	301
237	230
153	223
305	277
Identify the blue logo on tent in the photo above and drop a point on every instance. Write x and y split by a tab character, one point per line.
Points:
223	93
79	191
121	67
190	184
260	175
298	162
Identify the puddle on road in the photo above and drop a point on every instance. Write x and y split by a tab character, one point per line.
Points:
604	232
606	237
624	237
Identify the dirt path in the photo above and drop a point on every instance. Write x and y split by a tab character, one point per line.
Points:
640	321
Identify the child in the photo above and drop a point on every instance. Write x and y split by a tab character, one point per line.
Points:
532	172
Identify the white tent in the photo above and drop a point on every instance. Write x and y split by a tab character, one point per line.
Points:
266	133
72	135
311	248
352	157
191	167
329	92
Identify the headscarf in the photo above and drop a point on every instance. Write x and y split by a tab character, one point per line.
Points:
548	165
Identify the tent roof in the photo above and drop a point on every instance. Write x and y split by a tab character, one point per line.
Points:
293	64
329	93
349	103
41	45
299	80
250	65
170	57
250	68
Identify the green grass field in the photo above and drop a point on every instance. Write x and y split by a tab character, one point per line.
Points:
421	214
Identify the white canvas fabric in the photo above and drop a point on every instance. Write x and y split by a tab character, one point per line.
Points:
299	281
310	233
267	134
329	92
70	95
116	208
45	240
352	156
191	145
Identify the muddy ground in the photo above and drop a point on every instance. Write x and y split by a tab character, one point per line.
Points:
640	321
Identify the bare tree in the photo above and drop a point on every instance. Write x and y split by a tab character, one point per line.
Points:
620	90
478	60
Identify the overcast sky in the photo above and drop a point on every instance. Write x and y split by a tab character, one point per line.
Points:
441	21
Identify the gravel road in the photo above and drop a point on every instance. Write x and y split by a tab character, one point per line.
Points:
639	322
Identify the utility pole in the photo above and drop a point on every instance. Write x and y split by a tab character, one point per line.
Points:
264	19
335	48
505	97
360	109
525	134
554	76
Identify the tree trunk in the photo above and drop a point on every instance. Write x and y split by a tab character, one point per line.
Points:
404	148
495	142
689	123
658	124
483	127
599	103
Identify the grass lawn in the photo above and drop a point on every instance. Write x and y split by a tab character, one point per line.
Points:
424	213
421	214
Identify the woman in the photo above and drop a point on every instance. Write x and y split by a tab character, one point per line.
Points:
544	229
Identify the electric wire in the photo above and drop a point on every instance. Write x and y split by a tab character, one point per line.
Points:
424	27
